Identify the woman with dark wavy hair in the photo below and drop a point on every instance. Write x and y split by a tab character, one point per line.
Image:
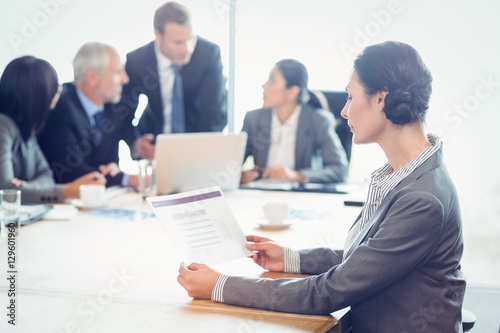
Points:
399	270
29	89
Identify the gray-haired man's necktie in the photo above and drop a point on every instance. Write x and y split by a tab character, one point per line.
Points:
97	127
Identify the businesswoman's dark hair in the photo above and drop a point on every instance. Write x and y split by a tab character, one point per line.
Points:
27	88
295	74
398	69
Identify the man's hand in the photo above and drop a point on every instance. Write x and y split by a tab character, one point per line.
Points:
110	169
144	147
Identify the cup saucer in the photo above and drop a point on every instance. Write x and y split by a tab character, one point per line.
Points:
275	226
78	203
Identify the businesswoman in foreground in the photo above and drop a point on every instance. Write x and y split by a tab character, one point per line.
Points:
400	268
28	91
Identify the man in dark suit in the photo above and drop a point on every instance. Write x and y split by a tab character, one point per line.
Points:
83	131
152	72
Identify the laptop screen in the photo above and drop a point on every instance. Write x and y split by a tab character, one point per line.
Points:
189	161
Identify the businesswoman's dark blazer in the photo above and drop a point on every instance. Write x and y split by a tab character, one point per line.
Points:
402	274
25	161
316	144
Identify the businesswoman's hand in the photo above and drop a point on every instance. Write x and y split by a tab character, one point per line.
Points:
18	182
283	173
198	280
268	254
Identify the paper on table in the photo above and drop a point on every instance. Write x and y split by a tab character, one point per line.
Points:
61	212
200	225
123	214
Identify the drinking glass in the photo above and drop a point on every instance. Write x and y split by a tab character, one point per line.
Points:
147	178
10	207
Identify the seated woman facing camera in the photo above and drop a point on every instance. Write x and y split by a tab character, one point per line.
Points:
291	138
29	89
399	270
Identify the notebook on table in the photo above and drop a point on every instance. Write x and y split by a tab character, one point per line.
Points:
189	161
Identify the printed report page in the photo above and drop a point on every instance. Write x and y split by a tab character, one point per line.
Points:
200	225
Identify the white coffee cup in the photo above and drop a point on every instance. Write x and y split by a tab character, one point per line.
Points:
92	195
276	212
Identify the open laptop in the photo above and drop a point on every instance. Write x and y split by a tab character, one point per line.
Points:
189	161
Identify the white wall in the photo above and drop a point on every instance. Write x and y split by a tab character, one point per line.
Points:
55	29
457	39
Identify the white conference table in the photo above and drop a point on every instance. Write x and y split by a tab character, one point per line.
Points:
101	274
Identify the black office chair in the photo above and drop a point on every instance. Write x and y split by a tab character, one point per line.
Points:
345	326
468	320
335	101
